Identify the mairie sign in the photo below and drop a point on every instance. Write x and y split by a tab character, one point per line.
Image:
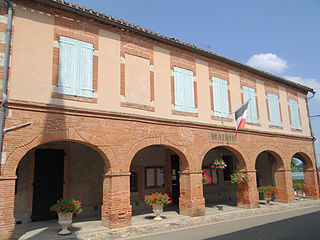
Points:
222	137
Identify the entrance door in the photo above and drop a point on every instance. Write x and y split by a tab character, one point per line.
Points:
48	182
175	168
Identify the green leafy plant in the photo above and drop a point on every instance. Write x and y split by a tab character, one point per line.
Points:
65	205
240	178
220	164
205	178
157	198
268	190
301	187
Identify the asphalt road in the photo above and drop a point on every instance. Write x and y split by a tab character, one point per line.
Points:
301	224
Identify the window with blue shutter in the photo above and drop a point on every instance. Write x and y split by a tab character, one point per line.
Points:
294	114
274	110
220	98
250	93
75	67
184	90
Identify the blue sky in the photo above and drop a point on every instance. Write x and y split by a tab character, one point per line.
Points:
281	37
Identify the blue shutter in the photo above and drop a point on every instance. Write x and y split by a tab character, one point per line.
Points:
184	90
252	115
294	113
220	97
85	63
189	105
178	89
246	97
68	56
274	110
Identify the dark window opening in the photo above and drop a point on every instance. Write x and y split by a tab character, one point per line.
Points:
134	182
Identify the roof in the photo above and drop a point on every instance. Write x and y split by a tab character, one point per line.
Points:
101	17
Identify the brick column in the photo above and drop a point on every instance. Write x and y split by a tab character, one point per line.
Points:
283	181
247	194
310	178
191	201
116	208
7	220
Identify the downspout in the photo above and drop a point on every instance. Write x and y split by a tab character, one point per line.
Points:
5	75
313	139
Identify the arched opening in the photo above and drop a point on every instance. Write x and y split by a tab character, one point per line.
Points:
303	171
54	170
267	164
297	169
153	169
221	190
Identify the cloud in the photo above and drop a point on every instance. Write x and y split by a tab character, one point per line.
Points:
268	62
310	82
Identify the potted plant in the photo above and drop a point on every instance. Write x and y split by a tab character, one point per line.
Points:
301	189
205	178
156	200
267	192
219	164
65	209
240	178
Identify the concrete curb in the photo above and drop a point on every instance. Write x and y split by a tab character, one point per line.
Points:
188	221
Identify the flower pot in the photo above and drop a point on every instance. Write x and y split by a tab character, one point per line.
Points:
267	197
157	209
300	195
64	219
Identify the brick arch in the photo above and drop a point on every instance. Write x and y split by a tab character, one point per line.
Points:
235	149
181	150
274	151
70	134
308	162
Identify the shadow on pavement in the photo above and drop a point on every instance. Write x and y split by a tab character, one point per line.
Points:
305	227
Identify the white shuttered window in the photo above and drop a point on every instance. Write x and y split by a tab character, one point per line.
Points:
274	110
294	114
75	67
184	90
220	98
252	115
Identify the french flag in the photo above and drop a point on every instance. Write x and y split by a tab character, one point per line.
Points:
240	116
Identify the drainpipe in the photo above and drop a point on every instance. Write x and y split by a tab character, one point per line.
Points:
313	140
5	75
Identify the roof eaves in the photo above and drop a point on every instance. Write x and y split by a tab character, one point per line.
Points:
172	41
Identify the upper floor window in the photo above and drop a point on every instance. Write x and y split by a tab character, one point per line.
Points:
220	97
294	114
252	115
274	110
75	67
184	90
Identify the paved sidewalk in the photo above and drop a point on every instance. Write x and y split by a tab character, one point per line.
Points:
143	224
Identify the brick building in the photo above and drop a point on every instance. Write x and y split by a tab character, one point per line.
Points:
119	111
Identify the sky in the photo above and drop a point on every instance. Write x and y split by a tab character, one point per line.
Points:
280	37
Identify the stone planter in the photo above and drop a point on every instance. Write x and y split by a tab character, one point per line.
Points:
300	195
157	209
267	197
64	219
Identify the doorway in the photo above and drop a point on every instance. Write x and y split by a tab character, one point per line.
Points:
175	168
48	182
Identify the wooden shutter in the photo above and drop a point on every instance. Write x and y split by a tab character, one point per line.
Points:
220	97
75	67
68	56
274	109
294	113
189	105
184	90
178	89
85	63
252	115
